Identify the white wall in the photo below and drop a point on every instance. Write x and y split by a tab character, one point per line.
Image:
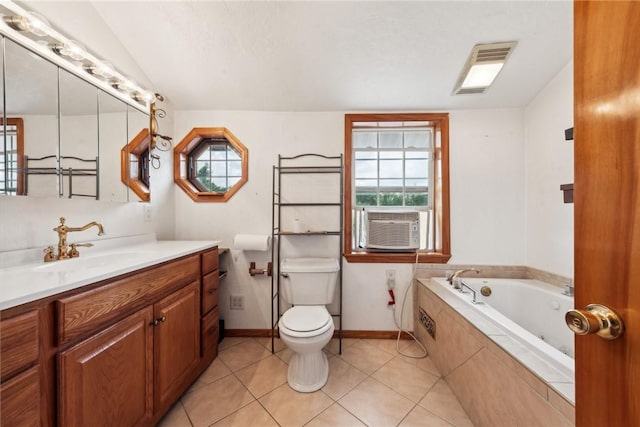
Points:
487	170
549	163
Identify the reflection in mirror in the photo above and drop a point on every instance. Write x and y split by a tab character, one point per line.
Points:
138	137
78	137
135	165
31	94
112	134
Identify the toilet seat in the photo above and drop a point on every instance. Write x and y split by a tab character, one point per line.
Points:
305	320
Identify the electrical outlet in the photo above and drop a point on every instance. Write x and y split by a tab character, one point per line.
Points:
391	278
146	212
236	302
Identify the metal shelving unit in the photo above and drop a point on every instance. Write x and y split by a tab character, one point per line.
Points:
304	164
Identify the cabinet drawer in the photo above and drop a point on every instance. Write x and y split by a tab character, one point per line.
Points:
209	291
83	313
210	333
18	343
20	400
210	261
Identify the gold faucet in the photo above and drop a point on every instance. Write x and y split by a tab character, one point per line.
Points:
63	251
454	276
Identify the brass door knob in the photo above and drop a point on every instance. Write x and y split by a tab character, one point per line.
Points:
595	319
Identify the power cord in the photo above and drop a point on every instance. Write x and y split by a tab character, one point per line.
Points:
399	326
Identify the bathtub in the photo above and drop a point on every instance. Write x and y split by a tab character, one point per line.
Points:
524	311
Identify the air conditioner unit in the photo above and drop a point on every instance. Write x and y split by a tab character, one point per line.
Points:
393	231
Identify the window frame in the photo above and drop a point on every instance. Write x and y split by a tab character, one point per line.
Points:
439	181
189	144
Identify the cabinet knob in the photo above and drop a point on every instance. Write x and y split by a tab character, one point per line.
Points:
211	291
154	322
163	319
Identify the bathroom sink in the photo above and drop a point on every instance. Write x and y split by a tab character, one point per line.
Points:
90	262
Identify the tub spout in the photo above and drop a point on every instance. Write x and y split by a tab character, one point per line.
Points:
455	275
473	291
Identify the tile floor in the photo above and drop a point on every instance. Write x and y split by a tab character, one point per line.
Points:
370	384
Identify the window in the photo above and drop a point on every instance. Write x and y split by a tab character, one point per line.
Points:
397	162
11	157
210	164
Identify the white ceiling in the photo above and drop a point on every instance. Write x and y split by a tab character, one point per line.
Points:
337	55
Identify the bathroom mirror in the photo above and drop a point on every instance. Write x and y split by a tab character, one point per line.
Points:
136	167
31	94
73	151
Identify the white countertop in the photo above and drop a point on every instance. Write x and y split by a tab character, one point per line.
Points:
32	281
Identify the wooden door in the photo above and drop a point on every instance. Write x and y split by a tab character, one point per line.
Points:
176	343
607	206
107	379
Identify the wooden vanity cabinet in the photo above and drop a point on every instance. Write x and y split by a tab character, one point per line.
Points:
20	391
116	353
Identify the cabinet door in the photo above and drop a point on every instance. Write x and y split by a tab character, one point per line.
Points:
107	379
21	400
177	343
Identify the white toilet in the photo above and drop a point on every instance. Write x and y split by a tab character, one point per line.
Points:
308	284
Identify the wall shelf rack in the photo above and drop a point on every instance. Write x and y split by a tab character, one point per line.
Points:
300	190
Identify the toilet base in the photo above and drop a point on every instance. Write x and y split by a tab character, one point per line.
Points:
308	372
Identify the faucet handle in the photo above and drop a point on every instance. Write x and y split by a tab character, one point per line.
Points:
48	254
73	252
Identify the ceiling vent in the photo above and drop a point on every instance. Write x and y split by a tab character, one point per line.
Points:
482	67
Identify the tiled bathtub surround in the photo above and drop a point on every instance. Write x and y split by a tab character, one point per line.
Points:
495	388
425	271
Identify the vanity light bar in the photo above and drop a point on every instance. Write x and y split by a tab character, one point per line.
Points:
33	32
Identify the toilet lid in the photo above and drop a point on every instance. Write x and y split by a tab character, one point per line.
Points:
305	318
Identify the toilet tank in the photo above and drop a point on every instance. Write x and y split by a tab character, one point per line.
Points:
309	281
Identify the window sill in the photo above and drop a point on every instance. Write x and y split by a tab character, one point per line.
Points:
379	257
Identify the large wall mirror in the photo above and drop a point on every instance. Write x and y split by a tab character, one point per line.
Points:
61	135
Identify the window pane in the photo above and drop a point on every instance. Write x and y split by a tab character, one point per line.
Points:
219	168
417	139
366	169
415	199
365	140
366	199
416	183
233	180
390	169
366	155
416	168
390	199
219	185
416	154
233	155
390	139
391	154
218	154
366	183
235	168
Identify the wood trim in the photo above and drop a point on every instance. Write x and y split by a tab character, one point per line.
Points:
261	333
19	124
188	144
441	202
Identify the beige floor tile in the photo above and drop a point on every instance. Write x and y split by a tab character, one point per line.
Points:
334	345
215	371
230	342
365	357
376	404
285	355
420	417
176	417
243	354
441	401
424	363
264	376
342	378
215	401
251	415
388	345
404	378
335	416
266	342
291	408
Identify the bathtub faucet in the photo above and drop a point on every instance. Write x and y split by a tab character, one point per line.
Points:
568	289
473	291
454	276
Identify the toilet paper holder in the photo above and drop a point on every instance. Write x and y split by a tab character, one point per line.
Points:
255	271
